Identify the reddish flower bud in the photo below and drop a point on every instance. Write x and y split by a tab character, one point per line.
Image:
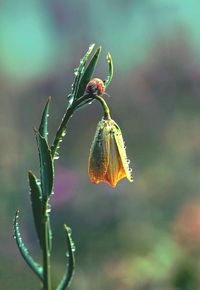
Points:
107	160
95	87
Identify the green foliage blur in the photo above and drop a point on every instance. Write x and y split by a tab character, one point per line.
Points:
140	236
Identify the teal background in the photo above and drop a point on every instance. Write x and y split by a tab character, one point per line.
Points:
143	235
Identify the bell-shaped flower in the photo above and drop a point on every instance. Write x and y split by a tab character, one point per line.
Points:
107	160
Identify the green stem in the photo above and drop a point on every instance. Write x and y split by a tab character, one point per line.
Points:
46	250
105	107
68	115
61	131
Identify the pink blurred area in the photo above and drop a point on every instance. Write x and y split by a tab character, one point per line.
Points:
66	184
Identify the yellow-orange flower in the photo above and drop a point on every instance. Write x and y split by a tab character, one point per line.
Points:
107	160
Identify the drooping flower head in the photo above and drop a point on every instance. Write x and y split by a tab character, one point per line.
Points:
108	160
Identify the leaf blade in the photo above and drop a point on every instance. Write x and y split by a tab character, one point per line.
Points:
43	128
46	166
78	73
36	202
110	70
87	75
68	275
35	267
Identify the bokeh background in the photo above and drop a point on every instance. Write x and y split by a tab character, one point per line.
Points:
140	236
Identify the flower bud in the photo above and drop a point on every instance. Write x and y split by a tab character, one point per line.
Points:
107	160
95	87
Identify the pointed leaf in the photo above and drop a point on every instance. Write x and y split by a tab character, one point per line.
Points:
78	73
46	166
35	267
110	70
37	207
88	74
67	277
36	201
43	129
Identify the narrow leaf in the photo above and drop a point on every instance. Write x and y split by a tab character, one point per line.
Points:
87	75
35	267
36	201
46	166
110	70
78	73
43	129
67	277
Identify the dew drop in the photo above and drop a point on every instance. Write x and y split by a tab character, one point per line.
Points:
63	134
76	71
69	231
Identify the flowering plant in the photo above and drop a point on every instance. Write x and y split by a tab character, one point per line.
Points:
107	163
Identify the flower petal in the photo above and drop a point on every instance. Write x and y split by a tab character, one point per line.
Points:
122	152
99	153
115	169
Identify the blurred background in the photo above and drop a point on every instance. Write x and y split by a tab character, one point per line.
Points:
140	236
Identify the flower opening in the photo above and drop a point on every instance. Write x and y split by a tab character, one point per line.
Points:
108	160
